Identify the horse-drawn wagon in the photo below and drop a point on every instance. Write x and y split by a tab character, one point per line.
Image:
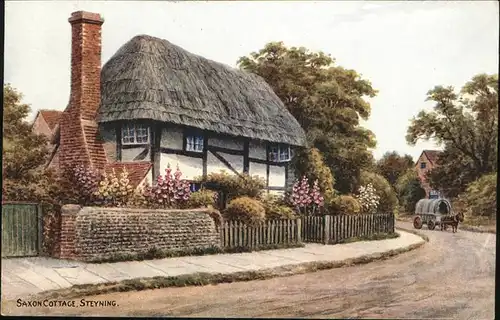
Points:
430	212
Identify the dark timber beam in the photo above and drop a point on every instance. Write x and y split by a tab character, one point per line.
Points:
268	150
205	155
156	154
118	131
182	152
226	150
226	163
246	156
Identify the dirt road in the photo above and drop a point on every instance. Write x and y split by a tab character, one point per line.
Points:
450	277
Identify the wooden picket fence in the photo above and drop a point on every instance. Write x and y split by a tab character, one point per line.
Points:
316	229
236	234
333	229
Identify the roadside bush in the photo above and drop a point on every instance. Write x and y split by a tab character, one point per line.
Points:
479	199
202	198
388	202
245	209
310	163
276	209
234	186
216	215
344	204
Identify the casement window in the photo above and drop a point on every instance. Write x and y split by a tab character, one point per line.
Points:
422	165
280	153
135	134
194	143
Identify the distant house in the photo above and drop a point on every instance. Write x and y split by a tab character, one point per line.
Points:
46	123
426	162
155	104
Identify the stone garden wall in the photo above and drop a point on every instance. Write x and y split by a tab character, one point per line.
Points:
92	232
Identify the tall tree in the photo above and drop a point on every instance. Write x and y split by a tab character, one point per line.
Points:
328	102
24	153
467	125
392	166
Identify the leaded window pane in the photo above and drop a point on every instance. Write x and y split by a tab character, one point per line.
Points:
128	134
284	153
135	134
194	143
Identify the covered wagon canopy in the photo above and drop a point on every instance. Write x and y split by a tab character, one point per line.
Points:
433	206
151	78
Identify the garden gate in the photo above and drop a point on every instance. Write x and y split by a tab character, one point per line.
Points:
21	229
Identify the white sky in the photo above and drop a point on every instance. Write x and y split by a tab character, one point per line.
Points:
403	48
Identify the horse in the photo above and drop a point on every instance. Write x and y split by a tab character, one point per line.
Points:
452	220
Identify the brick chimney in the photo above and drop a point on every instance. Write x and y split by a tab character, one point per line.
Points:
78	128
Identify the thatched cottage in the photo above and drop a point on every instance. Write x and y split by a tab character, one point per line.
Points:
155	104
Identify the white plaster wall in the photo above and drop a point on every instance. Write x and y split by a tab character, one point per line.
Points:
276	176
226	142
214	165
129	154
189	166
257	169
257	150
172	138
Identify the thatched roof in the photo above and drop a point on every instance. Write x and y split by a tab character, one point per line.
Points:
151	78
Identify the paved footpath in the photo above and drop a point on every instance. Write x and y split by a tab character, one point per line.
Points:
22	277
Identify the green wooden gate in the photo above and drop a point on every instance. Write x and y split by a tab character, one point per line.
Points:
21	229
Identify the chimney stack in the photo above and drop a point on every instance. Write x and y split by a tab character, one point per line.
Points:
85	95
85	63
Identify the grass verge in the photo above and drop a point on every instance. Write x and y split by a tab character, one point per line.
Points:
202	279
377	236
155	253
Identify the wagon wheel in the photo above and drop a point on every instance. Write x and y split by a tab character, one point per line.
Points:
417	223
431	225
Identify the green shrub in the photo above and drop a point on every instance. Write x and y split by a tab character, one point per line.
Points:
409	190
246	209
235	186
202	199
479	199
343	204
310	163
280	212
388	202
276	208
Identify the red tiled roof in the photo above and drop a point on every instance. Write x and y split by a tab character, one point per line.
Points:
433	155
137	171
51	117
